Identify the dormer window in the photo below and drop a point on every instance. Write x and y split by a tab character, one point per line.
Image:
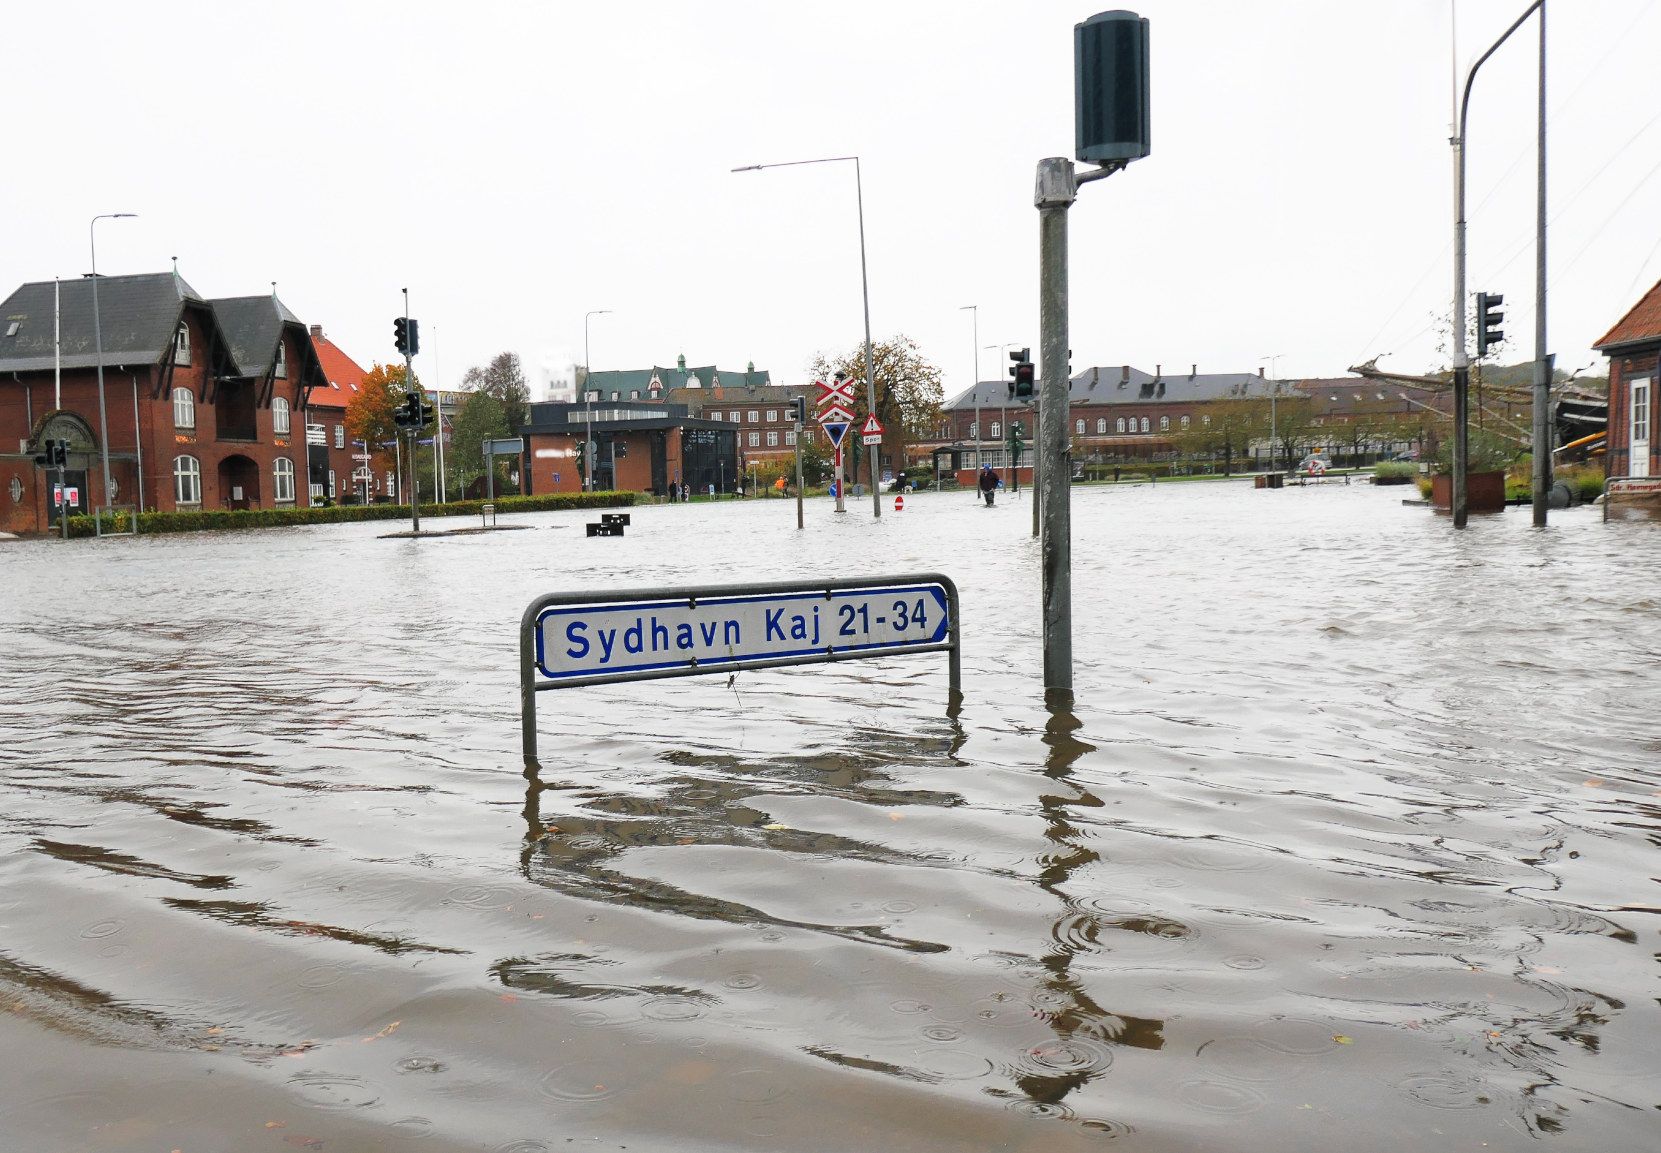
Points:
181	345
282	361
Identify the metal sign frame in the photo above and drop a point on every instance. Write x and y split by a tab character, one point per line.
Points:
549	604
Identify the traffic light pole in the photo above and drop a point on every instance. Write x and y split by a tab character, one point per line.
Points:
414	433
1056	191
63	493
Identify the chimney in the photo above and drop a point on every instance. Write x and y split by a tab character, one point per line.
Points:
1193	371
317	332
1095	375
1158	371
1124	375
1260	372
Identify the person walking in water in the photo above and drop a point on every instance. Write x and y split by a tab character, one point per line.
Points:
988	484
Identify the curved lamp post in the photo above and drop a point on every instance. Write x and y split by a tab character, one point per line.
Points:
864	287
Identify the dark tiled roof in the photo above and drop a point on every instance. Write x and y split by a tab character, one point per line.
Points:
138	316
1122	384
252	326
1641	323
627	380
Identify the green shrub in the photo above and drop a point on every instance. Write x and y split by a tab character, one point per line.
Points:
205	520
1395	470
1424	486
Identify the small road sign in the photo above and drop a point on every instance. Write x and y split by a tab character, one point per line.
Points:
837	390
836	430
836	412
871	431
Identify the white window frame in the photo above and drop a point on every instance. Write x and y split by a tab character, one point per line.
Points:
974	431
772	438
755	416
755	440
1164	424
340	436
1144	424
1078	427
1205	419
997	430
772	416
1185	424
1101	426
281	369
733	417
281	421
187	481
331	484
184	408
282	481
790	438
1119	425
181	345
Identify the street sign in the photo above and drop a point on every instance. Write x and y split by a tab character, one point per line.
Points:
836	412
871	432
837	390
571	639
507	446
360	456
836	430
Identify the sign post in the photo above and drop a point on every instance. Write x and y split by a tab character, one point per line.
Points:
836	413
571	639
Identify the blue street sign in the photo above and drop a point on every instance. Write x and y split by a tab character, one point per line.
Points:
836	430
710	633
572	639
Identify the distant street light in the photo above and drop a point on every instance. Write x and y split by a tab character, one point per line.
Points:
1274	390
865	290
588	399
974	310
98	348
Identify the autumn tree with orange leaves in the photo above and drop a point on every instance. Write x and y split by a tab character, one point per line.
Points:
370	414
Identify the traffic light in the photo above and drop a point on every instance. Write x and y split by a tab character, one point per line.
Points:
1488	321
1020	373
400	334
798	409
60	453
415	338
411	414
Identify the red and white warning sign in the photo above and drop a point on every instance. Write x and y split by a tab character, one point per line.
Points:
871	431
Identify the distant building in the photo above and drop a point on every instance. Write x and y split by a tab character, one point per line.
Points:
639	446
1633	347
201	398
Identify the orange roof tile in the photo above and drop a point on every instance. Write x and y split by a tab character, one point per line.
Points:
342	372
1643	322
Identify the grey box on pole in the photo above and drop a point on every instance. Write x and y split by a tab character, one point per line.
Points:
1110	86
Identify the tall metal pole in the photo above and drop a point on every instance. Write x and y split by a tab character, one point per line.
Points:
974	310
1542	361
1055	193
800	521
1461	362
588	417
414	434
98	348
870	386
1274	391
1003	416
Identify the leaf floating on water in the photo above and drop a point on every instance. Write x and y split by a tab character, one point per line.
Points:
775	827
276	1124
1592	783
896	816
386	1032
1343	1039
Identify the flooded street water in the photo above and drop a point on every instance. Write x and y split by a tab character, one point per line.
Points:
1350	841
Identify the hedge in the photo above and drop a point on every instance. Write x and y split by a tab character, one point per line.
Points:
207	520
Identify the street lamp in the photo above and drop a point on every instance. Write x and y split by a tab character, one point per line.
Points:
98	344
974	310
1274	390
588	399
865	290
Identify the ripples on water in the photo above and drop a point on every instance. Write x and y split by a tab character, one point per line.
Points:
1349	841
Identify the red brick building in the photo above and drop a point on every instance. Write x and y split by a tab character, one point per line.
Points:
334	474
1633	347
641	446
204	400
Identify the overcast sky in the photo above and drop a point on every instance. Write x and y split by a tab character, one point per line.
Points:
516	165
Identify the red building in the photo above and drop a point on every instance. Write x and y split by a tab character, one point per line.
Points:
641	446
200	398
336	473
1633	347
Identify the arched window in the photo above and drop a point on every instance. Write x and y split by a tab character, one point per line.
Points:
279	416
282	361
187	480
282	480
181	345
184	408
1119	425
1164	424
1101	425
1185	424
1078	426
997	430
1144	424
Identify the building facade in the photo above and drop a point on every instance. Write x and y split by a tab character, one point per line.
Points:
338	467
1633	347
638	446
203	401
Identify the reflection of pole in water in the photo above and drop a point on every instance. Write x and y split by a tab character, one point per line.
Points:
1080	1024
